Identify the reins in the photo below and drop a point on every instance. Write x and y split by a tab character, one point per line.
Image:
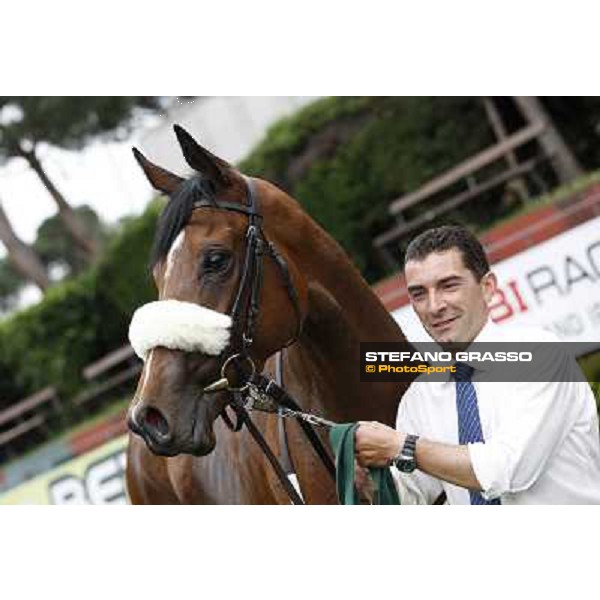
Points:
259	393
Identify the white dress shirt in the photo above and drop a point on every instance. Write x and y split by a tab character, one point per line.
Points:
542	444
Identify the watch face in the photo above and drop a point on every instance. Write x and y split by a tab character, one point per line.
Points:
406	466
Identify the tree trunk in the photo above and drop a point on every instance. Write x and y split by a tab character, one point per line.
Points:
66	213
25	260
565	163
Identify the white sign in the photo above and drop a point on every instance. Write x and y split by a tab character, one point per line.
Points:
102	483
555	285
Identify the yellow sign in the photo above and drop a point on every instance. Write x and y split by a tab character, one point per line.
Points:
97	477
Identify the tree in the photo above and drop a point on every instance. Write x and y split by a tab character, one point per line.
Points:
565	162
21	256
69	123
52	256
54	246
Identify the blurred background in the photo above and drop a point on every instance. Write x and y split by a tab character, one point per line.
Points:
77	219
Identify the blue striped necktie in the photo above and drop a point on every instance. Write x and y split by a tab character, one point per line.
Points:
469	424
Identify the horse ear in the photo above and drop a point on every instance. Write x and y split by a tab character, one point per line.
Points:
161	179
201	160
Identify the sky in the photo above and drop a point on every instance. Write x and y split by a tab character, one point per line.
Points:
104	175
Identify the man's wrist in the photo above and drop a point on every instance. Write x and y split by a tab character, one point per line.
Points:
397	446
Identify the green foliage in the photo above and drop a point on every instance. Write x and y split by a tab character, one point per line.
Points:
11	282
289	136
124	280
55	246
80	320
52	341
69	122
578	119
346	159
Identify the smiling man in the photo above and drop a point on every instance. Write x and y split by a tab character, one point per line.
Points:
480	442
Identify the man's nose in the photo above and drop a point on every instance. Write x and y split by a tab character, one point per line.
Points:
437	302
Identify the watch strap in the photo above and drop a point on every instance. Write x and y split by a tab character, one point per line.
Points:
406	459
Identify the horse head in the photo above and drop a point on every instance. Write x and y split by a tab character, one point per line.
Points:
228	286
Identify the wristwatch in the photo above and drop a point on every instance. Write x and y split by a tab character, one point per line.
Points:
406	461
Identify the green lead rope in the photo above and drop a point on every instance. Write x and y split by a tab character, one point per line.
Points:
342	441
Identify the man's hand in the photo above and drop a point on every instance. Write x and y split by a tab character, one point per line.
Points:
376	445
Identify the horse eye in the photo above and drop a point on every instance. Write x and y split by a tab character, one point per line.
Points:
215	261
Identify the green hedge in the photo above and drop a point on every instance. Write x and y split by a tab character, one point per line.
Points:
52	341
346	159
123	279
80	320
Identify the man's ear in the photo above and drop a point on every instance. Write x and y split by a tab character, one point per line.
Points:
489	285
160	179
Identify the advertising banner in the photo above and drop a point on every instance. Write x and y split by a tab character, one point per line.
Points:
96	477
554	285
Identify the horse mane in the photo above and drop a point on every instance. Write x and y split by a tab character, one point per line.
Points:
177	213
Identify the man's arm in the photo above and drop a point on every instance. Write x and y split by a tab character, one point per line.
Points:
377	445
448	462
537	417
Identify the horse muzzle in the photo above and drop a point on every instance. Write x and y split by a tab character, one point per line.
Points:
193	435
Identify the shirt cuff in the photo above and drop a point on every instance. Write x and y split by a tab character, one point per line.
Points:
488	470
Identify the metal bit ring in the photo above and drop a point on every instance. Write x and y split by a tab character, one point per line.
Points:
250	377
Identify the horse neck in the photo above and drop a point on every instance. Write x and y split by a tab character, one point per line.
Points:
343	312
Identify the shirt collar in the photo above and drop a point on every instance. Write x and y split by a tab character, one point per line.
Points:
488	333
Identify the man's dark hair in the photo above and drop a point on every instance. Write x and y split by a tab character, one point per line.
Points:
445	238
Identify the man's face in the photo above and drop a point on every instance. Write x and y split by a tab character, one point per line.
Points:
449	301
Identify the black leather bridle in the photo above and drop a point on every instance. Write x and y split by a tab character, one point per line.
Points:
259	392
257	245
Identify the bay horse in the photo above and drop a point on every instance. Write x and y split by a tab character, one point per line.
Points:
317	306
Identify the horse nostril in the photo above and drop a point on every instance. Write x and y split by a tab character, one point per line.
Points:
155	424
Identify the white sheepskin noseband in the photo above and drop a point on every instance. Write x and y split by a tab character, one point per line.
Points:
178	326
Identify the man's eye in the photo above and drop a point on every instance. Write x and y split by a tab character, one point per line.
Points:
214	262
